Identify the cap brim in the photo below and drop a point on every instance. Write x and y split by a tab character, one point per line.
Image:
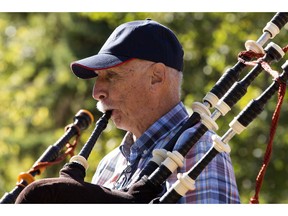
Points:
85	68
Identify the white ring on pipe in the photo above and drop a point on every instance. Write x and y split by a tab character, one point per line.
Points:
159	155
183	184
219	145
80	160
237	126
272	29
211	98
209	122
200	108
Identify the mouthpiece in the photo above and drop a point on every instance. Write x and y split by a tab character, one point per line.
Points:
108	114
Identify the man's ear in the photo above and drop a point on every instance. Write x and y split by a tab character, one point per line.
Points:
158	74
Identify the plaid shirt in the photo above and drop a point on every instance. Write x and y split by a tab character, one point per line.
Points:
215	184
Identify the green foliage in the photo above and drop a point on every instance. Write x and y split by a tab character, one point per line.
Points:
40	96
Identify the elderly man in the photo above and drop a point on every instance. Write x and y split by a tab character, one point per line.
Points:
138	77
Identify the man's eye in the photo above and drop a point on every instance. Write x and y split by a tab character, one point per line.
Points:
111	76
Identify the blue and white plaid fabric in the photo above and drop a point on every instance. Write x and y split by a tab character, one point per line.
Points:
216	184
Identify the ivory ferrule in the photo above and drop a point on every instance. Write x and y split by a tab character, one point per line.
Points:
173	161
222	107
183	184
200	108
272	29
159	155
277	48
251	45
236	126
219	145
80	160
211	98
208	122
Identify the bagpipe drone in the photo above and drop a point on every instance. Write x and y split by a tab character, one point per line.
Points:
52	155
70	186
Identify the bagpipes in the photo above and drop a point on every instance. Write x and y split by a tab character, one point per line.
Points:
70	187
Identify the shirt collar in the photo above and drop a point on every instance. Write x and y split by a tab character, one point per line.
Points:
134	150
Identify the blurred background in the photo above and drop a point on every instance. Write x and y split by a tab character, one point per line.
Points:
40	96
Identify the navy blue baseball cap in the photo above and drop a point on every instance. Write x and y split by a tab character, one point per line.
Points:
142	39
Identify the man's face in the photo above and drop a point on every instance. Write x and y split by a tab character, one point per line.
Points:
125	89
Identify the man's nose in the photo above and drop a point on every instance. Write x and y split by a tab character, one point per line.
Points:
100	89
